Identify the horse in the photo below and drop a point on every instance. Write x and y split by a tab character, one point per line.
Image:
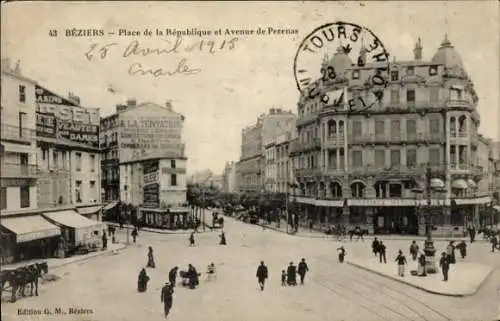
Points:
30	274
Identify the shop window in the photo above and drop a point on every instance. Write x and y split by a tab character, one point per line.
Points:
25	196
3	198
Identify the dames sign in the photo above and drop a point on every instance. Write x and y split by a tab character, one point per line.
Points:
347	38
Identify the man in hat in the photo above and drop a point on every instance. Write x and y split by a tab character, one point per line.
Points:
167	298
262	275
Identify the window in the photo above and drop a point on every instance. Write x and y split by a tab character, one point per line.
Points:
395	96
434	126
78	191
357	158
434	158
395	158
22	93
395	129
55	159
411	128
92	190
434	94
394	75
25	196
172	163
173	179
78	162
356	128
410	96
379	127
44	154
355	74
3	198
22	122
411	158
92	163
455	94
410	71
380	158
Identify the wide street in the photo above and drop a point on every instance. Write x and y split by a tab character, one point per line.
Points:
107	285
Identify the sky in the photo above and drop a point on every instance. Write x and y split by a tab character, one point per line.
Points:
228	88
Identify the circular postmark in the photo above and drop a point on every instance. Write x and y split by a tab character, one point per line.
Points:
336	55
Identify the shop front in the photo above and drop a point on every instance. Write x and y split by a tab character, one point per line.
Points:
77	231
171	218
28	237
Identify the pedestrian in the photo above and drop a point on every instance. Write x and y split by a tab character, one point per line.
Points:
109	230
494	243
291	275
414	250
151	259
375	245
302	269
342	253
142	282
421	265
472	233
172	276
134	234
450	249
444	264
262	275
104	241
222	238
193	276
381	252
462	247
167	298
283	278
401	259
191	239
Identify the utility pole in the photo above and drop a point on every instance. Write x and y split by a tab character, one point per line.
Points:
429	249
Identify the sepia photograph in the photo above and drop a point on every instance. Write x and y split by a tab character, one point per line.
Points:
250	160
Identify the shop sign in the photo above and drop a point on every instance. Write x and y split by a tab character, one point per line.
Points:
21	238
382	202
44	96
151	196
78	132
45	125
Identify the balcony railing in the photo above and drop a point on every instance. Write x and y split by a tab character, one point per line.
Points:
19	171
335	140
307	172
16	133
450	103
408	138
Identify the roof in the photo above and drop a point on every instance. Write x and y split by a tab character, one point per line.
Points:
447	55
148	104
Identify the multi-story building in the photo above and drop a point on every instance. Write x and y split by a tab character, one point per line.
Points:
367	167
278	167
251	166
38	209
145	163
270	174
229	178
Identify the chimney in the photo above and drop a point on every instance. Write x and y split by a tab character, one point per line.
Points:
417	52
131	102
121	107
74	98
168	105
272	111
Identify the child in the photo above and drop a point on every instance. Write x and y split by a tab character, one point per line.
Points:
283	278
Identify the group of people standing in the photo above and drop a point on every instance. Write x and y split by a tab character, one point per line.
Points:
288	276
222	236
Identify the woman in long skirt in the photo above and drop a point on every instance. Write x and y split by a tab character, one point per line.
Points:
142	282
151	259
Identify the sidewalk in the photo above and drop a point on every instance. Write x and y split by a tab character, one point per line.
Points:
465	278
157	230
55	263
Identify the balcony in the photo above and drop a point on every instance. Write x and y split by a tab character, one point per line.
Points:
16	133
335	141
297	147
458	103
307	172
19	171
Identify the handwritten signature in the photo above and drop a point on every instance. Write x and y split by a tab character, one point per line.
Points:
182	68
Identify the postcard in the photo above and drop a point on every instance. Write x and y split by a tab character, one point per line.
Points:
233	160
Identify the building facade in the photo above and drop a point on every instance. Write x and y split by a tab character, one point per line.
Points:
144	166
251	166
229	178
367	166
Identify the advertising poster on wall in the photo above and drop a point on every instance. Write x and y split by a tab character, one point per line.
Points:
150	132
151	184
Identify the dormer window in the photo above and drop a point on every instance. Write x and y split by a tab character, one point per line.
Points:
394	75
410	71
355	74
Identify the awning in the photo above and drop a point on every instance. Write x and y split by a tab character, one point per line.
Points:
437	183
29	228
71	219
471	183
89	210
110	206
459	184
17	148
179	210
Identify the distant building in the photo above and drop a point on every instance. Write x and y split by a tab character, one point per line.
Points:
144	162
362	168
251	166
201	177
229	178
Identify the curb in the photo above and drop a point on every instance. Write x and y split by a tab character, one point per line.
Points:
146	229
85	258
460	295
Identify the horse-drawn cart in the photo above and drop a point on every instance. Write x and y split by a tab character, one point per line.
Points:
18	278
